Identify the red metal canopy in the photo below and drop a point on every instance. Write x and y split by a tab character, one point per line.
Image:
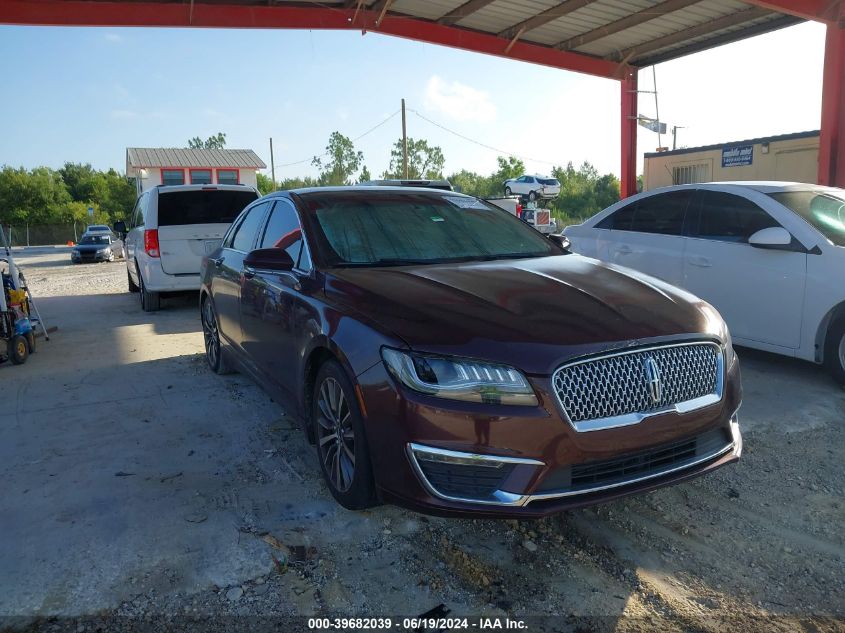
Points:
606	38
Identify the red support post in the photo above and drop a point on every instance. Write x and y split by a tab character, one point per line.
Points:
628	183
832	137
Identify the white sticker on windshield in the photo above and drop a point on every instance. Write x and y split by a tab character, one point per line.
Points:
466	203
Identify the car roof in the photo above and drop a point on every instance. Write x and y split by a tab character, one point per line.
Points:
763	186
363	191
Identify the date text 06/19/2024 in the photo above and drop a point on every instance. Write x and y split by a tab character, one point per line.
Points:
418	624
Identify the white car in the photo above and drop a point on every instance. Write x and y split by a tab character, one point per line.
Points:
97	229
171	229
769	256
533	187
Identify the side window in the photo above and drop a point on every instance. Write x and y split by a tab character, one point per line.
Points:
730	218
133	217
619	220
284	231
244	235
663	213
139	215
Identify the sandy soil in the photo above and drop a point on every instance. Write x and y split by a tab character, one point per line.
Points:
137	483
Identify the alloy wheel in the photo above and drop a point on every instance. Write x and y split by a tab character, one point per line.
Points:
210	333
335	435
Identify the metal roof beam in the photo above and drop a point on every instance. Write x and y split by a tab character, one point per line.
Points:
652	13
284	16
819	10
555	12
705	28
466	9
725	38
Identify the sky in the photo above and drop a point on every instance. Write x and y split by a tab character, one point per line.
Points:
85	94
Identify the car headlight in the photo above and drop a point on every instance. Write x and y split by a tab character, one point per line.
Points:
459	378
104	251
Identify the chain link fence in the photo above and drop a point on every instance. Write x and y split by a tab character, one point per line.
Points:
42	234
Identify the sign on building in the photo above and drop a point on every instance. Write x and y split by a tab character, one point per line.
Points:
737	156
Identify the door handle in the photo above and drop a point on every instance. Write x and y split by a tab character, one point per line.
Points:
218	262
701	262
248	272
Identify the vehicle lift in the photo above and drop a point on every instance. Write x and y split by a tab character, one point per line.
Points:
17	325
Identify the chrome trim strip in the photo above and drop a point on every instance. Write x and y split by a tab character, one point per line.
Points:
499	497
616	421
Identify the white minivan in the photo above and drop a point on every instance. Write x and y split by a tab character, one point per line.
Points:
171	229
769	256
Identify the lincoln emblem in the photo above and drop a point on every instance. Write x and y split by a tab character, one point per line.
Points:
652	374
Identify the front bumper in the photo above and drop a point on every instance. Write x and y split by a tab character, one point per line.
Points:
471	460
78	258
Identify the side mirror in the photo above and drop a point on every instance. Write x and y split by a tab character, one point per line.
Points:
774	237
561	240
269	259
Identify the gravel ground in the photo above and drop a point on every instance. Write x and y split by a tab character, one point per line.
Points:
757	546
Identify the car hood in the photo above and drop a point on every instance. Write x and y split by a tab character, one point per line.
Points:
530	313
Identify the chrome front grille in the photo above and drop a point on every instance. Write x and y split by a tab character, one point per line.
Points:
625	387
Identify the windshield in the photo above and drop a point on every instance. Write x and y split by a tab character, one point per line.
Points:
548	181
94	239
97	227
823	209
205	206
393	229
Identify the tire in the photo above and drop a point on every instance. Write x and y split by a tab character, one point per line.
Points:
834	350
30	340
214	355
508	191
337	422
18	349
133	287
150	301
532	196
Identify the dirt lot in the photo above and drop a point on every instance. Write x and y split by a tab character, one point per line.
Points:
135	482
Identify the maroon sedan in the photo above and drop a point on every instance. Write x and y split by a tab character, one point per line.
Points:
444	356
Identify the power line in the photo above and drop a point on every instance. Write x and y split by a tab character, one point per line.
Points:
357	138
484	145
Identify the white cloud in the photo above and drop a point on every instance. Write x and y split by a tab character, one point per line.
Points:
458	101
113	37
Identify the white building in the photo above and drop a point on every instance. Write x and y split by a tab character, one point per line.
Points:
153	166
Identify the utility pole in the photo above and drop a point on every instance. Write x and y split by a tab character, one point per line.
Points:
404	144
675	136
656	110
272	165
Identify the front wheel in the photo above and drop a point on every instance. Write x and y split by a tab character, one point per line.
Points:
834	350
532	196
341	445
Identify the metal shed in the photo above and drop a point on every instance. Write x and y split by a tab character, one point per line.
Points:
606	38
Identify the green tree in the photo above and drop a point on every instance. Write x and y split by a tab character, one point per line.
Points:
340	162
218	141
424	160
264	184
510	167
583	192
365	175
35	197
